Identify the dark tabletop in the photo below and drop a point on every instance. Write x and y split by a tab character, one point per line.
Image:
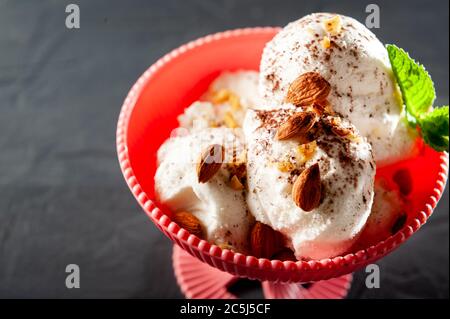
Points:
63	199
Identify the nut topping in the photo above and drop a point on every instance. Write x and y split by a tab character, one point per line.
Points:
307	189
298	125
307	89
210	162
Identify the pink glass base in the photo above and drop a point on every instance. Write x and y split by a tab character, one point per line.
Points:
198	280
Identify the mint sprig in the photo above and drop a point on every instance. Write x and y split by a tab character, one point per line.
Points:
435	127
418	94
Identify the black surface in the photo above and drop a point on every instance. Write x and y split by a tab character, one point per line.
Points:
62	197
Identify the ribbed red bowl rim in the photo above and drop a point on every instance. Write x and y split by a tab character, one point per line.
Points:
199	248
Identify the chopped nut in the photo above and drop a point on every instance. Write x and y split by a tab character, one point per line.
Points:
236	184
306	151
229	120
333	25
234	102
237	166
326	43
285	166
221	96
226	96
341	131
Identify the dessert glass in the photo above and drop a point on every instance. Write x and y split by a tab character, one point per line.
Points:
204	270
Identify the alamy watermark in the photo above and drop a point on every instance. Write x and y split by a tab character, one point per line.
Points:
373	276
373	19
73	277
73	17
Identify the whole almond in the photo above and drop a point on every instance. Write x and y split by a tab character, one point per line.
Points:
298	125
307	188
307	89
189	222
264	241
210	162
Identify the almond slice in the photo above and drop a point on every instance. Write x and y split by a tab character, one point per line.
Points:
297	125
307	188
189	222
210	162
307	89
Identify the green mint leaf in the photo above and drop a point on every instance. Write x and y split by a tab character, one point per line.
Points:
436	121
414	81
435	126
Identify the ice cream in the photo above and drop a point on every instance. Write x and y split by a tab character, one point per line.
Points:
347	171
355	63
219	203
225	102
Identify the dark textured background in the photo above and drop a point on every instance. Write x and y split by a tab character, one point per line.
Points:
62	197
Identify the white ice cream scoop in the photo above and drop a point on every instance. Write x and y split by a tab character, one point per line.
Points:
220	202
347	172
355	63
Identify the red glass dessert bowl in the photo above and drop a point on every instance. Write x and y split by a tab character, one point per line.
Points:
175	81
